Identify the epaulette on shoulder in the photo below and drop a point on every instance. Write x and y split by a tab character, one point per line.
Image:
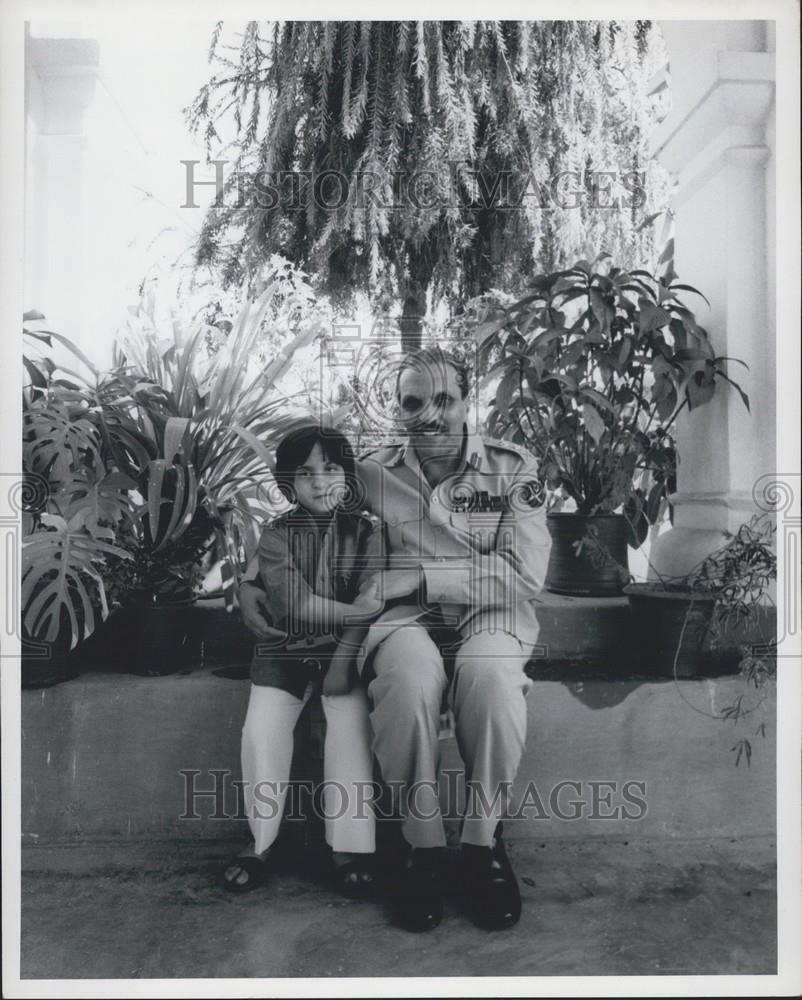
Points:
516	449
366	515
387	453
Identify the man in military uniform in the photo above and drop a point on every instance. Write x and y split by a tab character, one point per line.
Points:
467	548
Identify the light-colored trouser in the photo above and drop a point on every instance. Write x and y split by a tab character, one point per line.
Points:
488	699
267	745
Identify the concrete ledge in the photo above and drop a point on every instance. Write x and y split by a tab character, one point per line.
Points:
103	756
573	630
570	628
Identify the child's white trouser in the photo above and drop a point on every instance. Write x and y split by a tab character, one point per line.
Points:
267	745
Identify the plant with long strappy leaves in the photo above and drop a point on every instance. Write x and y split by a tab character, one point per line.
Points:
193	428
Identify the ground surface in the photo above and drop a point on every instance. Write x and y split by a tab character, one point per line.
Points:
591	907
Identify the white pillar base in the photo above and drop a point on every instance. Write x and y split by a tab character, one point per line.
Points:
700	523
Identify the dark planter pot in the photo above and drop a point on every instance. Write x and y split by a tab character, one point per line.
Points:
46	663
109	646
162	639
662	623
578	575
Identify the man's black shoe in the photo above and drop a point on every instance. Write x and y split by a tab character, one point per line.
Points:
491	889
417	899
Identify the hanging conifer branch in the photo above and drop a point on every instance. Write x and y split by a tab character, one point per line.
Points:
487	129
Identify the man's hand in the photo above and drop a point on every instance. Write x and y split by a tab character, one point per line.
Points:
255	612
394	583
339	679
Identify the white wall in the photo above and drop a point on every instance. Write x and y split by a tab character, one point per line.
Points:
104	182
60	82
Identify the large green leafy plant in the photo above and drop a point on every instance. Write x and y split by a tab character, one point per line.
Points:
593	368
152	473
79	502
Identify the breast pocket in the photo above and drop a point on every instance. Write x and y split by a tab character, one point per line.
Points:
477	530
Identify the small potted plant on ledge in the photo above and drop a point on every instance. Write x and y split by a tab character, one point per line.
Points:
593	369
720	598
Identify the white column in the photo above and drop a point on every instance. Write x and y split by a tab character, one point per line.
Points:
60	85
718	144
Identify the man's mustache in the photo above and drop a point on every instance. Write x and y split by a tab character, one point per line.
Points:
430	429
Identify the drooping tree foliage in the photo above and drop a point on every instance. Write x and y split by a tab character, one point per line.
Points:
431	157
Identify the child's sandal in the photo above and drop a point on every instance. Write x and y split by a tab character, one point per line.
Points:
257	870
356	879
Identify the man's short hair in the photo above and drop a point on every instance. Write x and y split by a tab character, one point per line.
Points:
432	359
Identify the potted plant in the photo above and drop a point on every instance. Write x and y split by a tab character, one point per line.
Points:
717	599
74	506
593	368
188	415
158	589
155	472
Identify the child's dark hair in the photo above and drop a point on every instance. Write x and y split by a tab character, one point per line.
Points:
294	449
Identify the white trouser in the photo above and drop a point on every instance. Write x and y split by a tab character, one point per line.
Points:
488	698
267	745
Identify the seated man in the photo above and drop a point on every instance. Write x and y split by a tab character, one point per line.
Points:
467	550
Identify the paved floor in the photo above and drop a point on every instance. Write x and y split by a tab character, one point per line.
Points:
591	907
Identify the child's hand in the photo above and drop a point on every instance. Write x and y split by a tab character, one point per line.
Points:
368	602
339	677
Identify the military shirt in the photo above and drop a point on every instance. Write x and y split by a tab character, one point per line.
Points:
297	557
479	537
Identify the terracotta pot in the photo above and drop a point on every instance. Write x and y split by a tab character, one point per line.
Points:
668	626
578	575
